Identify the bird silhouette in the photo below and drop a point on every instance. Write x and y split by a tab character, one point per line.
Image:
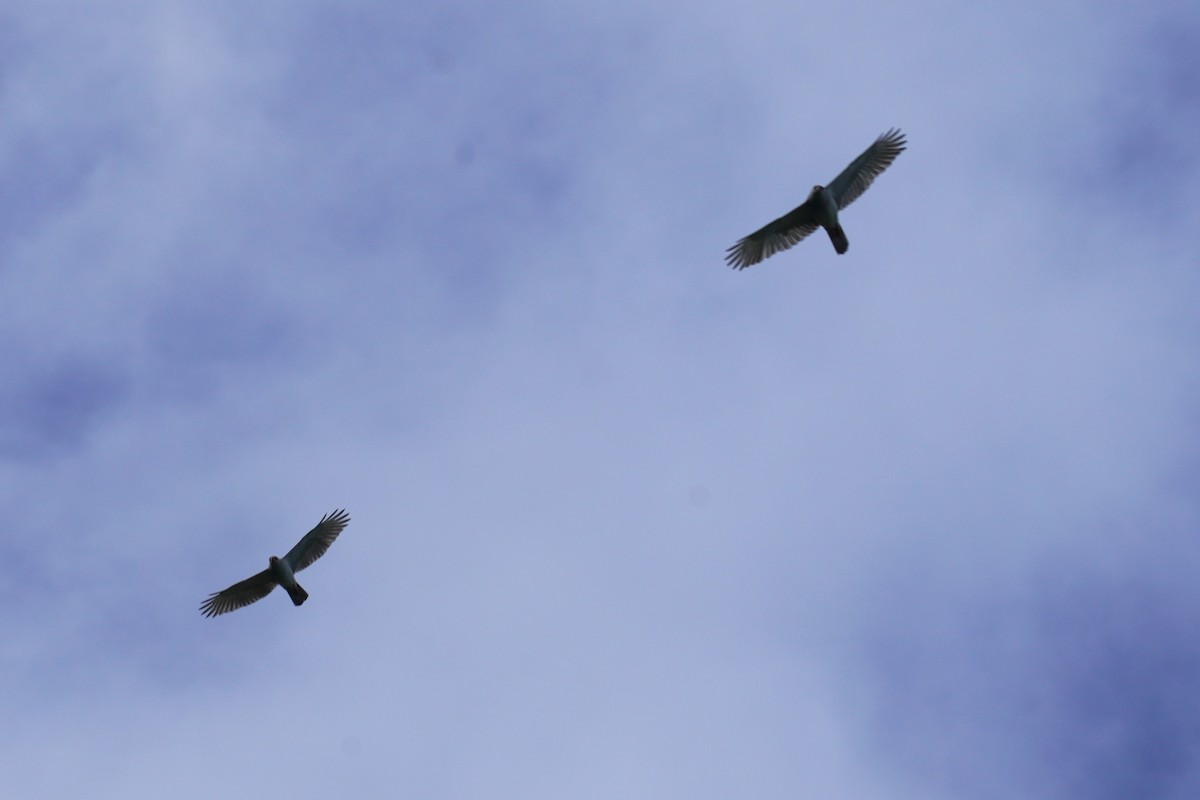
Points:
821	208
280	571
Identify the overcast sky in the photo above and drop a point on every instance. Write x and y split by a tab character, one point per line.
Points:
918	522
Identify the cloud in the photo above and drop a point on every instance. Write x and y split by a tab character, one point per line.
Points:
914	521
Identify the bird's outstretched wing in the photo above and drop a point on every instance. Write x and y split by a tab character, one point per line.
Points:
772	238
241	594
317	541
854	179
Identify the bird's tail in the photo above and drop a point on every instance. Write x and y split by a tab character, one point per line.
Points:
838	237
297	593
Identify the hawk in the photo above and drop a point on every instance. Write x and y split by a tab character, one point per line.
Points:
821	208
280	571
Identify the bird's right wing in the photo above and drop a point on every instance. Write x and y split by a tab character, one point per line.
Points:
317	541
240	594
772	238
854	179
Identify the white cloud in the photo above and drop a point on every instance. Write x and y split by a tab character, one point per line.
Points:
911	521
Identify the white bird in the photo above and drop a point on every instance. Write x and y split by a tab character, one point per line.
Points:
821	208
280	571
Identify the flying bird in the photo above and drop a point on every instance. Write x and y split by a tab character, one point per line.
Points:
821	208
280	571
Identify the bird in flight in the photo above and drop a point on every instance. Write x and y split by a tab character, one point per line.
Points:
280	571
821	208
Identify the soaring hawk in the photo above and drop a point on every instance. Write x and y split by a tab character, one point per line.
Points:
821	208
280	571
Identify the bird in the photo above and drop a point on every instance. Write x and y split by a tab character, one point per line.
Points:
280	571
821	208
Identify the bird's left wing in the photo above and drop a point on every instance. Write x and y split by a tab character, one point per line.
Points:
249	591
854	179
772	238
317	541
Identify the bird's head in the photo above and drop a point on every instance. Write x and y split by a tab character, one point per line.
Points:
273	560
816	191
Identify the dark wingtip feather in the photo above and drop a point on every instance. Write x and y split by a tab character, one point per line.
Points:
339	517
209	607
741	255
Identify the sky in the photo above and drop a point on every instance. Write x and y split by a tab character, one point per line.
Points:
918	521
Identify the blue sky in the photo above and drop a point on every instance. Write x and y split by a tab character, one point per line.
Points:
918	521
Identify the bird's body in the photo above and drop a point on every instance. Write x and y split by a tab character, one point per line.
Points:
825	214
280	571
284	576
821	208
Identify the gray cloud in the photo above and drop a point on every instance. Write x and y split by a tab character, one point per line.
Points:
911	522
